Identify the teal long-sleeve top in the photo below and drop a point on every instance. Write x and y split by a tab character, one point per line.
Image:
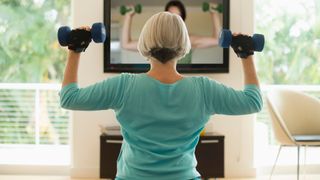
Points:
160	123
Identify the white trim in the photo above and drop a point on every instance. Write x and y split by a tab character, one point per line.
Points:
87	172
34	169
240	172
31	145
292	169
30	86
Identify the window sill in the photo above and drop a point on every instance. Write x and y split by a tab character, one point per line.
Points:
51	155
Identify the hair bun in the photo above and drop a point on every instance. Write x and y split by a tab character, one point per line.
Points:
163	54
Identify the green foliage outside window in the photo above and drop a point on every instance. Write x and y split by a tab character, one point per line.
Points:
292	32
29	51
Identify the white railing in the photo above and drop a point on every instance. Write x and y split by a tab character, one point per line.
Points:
30	86
7	109
304	88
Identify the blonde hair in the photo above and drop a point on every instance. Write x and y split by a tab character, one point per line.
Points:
164	37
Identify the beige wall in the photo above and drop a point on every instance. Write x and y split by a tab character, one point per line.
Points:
238	130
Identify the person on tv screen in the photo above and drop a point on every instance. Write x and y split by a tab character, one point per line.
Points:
161	112
177	7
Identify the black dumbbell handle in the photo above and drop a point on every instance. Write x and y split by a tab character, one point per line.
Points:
242	45
79	40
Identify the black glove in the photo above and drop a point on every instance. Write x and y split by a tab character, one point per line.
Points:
79	40
242	45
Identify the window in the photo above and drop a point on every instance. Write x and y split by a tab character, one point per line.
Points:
32	124
291	59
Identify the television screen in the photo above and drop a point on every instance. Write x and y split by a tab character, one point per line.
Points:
204	20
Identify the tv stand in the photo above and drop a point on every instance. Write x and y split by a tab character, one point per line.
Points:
209	153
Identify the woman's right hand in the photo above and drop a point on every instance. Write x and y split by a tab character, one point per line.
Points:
132	12
79	45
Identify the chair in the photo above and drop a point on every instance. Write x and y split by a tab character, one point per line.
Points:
295	120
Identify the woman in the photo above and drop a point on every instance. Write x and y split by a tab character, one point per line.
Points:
161	112
178	8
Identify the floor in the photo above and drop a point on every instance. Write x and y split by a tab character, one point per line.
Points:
15	177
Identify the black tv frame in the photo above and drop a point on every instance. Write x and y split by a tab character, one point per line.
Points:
182	68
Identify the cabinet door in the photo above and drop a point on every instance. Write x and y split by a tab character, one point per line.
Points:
109	151
210	157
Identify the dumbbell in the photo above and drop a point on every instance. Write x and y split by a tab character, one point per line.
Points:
124	9
209	7
98	34
226	37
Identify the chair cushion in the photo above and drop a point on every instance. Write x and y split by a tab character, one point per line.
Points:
307	138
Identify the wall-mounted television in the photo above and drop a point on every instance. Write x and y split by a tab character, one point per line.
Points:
204	19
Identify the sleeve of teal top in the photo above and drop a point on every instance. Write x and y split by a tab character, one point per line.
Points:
107	94
221	99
